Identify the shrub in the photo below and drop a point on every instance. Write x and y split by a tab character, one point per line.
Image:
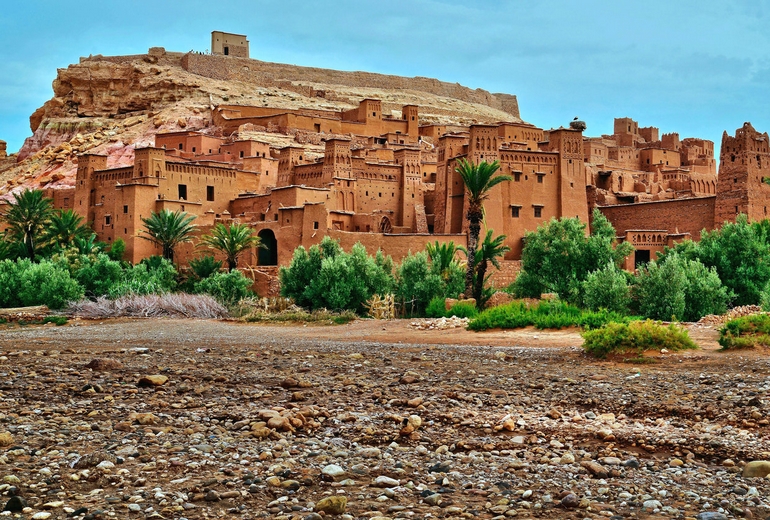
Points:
558	256
417	284
437	309
117	250
47	284
327	277
544	315
677	287
205	266
607	288
150	305
635	338
10	281
227	288
151	276
745	332
56	320
97	275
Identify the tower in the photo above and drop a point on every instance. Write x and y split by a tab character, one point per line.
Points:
744	164
85	193
410	113
572	178
410	185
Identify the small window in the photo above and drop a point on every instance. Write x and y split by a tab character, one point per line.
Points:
538	211
380	194
275	217
125	209
540	178
182	188
209	193
241	154
181	146
374	114
262	217
515	211
517	176
315	224
193	149
107	220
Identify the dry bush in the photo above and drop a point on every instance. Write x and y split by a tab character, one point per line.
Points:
172	305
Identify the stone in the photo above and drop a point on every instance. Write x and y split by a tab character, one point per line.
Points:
333	471
756	469
150	381
212	496
595	469
432	500
709	515
410	424
143	418
104	364
6	439
382	481
570	501
334	505
42	515
15	504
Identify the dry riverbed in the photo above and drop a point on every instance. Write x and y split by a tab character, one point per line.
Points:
211	419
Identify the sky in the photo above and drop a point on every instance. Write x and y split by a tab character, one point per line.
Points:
693	67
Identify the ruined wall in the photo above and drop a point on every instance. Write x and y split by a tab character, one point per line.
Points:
674	216
281	75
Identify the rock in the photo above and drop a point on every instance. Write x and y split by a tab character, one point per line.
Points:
432	500
440	467
150	381
212	496
333	471
567	458
93	459
382	481
707	515
595	469
104	364
410	424
6	439
334	505
570	501
16	504
143	418
651	504
756	469
43	515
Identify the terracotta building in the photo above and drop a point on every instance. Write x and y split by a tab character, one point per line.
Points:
228	44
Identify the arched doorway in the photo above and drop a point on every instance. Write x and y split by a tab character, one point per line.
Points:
385	225
267	255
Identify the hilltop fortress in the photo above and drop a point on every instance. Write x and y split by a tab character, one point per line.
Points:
386	177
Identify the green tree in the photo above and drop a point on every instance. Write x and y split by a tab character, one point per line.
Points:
489	251
27	218
167	229
660	291
231	241
228	288
479	179
442	256
559	256
65	227
607	288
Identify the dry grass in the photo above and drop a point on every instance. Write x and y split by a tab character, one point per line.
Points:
172	305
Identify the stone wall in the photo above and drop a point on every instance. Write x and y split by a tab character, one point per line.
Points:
281	75
674	216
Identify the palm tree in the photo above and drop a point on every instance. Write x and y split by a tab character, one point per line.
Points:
27	218
168	229
231	241
65	228
442	256
488	252
479	179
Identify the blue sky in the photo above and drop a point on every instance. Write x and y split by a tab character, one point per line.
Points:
693	67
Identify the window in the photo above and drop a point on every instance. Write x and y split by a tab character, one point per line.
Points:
193	149
315	224
241	154
107	220
125	209
209	193
275	217
517	176
181	146
540	178
515	211
182	188
538	211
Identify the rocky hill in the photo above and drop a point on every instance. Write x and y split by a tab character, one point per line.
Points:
112	104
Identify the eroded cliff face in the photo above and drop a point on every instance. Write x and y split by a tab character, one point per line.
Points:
114	104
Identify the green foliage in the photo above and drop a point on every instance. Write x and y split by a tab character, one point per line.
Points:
168	229
231	241
479	179
205	266
56	320
98	275
740	253
745	332
64	227
27	218
47	283
10	281
635	337
327	277
417	284
228	288
117	250
153	275
437	309
679	288
607	288
558	257
544	315
488	252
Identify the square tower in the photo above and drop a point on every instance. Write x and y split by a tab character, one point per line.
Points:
229	44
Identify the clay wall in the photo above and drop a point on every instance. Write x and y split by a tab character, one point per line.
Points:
63	198
623	157
528	135
277	74
649	133
653	158
228	44
594	152
674	216
625	125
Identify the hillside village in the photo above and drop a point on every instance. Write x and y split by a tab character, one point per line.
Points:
387	179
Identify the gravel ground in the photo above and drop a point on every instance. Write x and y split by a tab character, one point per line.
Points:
371	420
